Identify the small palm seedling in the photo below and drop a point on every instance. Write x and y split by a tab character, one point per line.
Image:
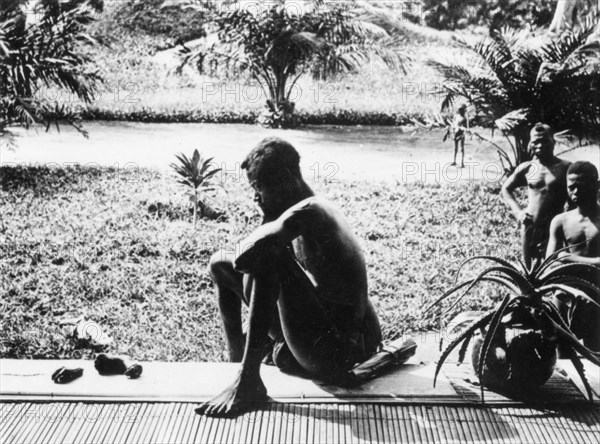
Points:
517	348
196	174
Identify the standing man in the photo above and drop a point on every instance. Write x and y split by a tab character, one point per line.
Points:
545	179
302	274
579	229
459	124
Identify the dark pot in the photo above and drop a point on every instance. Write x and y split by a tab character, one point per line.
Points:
519	358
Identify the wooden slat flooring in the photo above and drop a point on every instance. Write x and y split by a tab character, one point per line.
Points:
160	423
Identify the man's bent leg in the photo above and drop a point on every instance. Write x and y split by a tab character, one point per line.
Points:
248	389
228	285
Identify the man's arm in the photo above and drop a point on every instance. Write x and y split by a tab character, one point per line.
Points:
557	237
579	259
263	242
515	180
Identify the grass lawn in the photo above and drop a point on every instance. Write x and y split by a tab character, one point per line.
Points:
91	241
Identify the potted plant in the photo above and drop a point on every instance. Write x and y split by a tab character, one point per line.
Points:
515	344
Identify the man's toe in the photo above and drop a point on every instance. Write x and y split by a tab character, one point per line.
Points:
202	409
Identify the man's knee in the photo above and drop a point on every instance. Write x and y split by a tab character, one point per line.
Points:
220	266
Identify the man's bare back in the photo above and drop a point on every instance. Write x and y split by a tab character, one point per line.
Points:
303	275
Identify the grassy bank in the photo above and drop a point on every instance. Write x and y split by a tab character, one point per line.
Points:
92	242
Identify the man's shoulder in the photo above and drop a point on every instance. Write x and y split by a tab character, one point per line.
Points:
564	163
525	166
314	202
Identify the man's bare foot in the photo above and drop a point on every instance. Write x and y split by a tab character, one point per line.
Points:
241	396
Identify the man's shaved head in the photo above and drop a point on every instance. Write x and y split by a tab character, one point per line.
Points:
269	161
583	168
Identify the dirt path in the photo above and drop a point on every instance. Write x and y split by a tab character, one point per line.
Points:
344	153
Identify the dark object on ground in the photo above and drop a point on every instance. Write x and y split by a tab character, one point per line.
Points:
65	375
134	371
110	365
390	356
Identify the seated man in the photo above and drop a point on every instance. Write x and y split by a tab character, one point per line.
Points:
544	177
303	275
579	229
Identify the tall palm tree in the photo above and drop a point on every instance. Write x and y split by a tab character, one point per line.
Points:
43	53
277	43
514	84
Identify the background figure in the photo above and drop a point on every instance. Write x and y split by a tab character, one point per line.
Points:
460	121
545	179
579	229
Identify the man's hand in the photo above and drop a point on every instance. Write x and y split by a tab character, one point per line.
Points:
240	397
258	249
524	217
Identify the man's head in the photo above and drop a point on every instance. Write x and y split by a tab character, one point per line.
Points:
582	183
541	141
273	169
462	108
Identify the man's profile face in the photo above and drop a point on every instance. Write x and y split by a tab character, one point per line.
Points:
581	188
269	198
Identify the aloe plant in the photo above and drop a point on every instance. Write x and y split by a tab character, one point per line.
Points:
196	174
526	312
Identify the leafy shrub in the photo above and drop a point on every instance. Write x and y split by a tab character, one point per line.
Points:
177	24
457	14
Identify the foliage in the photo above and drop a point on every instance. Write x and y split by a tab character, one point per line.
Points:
43	54
275	45
140	270
196	174
147	16
513	84
528	306
457	14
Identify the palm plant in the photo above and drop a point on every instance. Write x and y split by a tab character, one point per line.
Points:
42	54
521	335
513	85
275	44
195	173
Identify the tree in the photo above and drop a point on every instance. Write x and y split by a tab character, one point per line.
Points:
277	42
43	53
513	85
569	13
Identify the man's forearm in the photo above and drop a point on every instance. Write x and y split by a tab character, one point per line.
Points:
509	199
579	259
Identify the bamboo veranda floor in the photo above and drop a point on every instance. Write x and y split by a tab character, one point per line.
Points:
402	407
137	422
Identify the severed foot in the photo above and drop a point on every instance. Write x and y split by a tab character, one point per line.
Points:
240	397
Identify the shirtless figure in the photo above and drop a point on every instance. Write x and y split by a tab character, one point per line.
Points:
302	274
460	121
545	178
579	229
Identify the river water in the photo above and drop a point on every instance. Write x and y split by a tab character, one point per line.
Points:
328	153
